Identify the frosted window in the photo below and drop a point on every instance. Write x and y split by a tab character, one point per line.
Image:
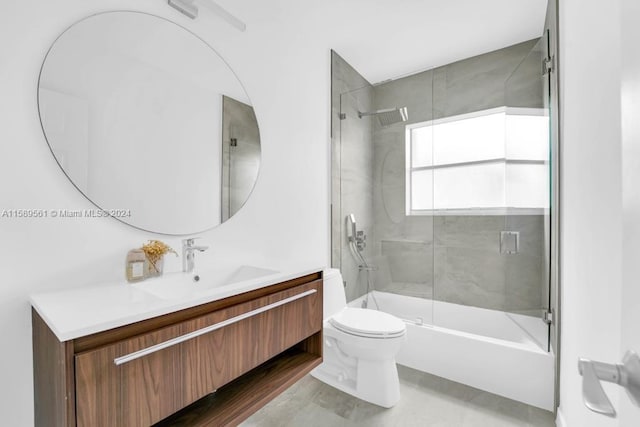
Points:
421	146
527	137
527	186
422	190
476	186
471	139
439	177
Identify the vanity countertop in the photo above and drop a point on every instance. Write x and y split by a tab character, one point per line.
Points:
78	312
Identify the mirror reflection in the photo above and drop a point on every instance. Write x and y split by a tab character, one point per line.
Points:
144	117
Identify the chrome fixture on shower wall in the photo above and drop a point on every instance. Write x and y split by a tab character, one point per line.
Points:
388	116
190	9
356	237
509	242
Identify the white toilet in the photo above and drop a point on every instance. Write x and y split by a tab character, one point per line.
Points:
360	346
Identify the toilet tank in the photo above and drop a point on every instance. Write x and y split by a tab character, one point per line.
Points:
334	298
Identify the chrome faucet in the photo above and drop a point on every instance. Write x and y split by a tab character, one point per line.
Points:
188	253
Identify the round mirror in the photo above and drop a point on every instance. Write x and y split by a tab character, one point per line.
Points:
149	122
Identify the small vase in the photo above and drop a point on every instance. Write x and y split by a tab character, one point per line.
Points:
153	269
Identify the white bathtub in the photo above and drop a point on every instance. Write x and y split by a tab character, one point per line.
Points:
482	348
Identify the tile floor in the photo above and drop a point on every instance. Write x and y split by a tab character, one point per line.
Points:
427	401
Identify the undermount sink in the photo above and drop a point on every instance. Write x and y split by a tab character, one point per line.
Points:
181	285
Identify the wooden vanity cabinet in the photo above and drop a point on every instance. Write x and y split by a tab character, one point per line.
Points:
248	348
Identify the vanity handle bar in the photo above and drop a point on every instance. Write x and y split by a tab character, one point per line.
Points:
186	337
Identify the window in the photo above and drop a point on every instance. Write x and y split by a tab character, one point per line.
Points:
487	162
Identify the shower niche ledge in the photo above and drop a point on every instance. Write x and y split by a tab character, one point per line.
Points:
211	364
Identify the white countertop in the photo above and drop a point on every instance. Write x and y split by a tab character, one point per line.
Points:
83	311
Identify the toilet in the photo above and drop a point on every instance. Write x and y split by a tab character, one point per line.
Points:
360	346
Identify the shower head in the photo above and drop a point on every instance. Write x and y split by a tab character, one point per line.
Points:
389	116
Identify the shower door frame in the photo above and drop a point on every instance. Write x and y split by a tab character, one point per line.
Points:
551	31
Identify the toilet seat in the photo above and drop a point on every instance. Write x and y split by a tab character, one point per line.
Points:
368	323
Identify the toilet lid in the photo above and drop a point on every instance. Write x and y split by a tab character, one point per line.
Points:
368	323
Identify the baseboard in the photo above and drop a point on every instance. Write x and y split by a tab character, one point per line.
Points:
560	422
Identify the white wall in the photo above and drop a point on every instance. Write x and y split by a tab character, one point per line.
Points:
591	235
286	219
630	91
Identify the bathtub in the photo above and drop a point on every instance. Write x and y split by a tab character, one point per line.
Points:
498	352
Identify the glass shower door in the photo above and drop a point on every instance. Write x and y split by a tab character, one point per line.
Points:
526	239
393	252
355	217
490	176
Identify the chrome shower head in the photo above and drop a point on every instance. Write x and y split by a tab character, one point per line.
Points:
389	116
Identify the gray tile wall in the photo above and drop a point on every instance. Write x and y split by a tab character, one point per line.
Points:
454	258
471	270
488	81
352	171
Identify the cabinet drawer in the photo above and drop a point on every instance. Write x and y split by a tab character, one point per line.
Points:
141	380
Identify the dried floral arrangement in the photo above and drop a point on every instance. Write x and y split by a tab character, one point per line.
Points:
155	250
